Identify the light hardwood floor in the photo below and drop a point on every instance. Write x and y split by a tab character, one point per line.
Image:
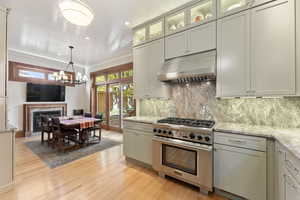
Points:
102	176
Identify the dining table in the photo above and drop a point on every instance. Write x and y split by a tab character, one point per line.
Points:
82	124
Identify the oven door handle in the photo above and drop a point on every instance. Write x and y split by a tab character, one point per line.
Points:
183	143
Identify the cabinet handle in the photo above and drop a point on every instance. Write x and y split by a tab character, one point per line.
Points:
237	141
177	173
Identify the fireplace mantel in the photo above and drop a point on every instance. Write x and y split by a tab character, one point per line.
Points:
29	107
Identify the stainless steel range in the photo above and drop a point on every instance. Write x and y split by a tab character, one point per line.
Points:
182	148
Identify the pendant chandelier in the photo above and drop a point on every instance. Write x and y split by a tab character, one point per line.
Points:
66	78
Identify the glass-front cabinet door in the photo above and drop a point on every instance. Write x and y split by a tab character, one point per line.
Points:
156	29
175	21
227	7
139	36
202	12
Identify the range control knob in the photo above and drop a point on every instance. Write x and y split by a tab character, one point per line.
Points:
207	139
192	135
200	137
164	131
159	131
170	133
154	130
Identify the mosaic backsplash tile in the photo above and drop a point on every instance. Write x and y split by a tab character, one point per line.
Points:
196	100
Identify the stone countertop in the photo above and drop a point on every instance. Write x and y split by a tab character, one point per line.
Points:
143	119
288	137
9	128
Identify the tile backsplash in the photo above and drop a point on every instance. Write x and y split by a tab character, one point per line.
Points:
196	100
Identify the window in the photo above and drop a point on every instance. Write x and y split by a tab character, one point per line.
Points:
113	76
31	74
34	74
127	74
100	79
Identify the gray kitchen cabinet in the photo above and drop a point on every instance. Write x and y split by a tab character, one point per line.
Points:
233	55
176	45
273	61
258	57
138	141
287	174
199	39
147	62
240	165
7	155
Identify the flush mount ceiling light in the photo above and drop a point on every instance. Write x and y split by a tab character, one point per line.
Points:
76	12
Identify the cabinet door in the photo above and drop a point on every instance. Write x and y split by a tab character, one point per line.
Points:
233	55
144	142
241	172
2	113
140	71
6	157
273	48
128	144
292	188
156	61
147	62
3	52
176	45
228	7
202	38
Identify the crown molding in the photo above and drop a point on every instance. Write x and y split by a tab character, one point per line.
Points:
44	57
111	62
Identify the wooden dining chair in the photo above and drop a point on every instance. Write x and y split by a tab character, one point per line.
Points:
97	127
87	115
61	135
46	126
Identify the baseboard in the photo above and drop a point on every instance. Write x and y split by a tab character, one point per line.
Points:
20	133
228	195
6	188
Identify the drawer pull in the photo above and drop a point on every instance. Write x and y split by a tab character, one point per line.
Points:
237	141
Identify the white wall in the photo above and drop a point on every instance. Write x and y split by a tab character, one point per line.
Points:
76	97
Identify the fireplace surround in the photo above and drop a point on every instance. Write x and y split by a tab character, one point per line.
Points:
32	111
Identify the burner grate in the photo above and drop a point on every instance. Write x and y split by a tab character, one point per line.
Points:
188	122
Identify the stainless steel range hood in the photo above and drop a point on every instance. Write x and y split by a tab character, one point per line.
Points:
192	68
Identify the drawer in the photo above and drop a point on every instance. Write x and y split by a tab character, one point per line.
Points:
138	126
248	142
292	164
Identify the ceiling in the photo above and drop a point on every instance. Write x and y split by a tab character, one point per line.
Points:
38	27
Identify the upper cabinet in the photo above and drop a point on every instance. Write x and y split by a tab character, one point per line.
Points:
202	12
273	53
147	62
198	39
139	36
227	7
256	51
175	21
148	32
156	29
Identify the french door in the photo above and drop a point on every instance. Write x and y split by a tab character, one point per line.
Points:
115	101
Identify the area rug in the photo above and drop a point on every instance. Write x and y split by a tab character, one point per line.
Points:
54	159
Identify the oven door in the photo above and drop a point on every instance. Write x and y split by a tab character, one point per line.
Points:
183	160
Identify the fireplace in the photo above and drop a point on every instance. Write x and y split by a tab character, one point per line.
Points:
36	118
33	112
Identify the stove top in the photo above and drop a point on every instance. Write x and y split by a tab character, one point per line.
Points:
188	122
193	130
